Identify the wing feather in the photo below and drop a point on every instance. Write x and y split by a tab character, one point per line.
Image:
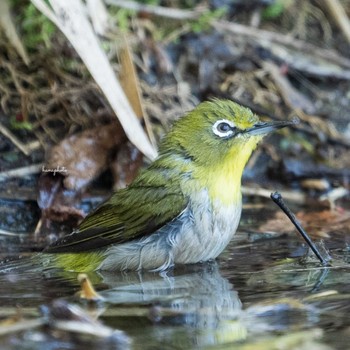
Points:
128	214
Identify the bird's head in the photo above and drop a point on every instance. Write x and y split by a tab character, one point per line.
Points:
211	145
217	132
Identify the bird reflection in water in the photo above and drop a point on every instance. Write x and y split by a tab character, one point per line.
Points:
194	305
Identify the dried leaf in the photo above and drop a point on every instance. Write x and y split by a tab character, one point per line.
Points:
129	80
64	213
85	155
56	203
321	223
126	165
316	223
131	86
278	223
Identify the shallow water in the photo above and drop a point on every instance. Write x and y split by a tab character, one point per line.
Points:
265	292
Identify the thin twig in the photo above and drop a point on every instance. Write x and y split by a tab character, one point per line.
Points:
265	35
156	10
277	198
296	197
21	172
9	233
22	147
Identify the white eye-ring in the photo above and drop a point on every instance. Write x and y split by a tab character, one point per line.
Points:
223	128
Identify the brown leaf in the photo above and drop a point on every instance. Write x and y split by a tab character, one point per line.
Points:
316	223
278	223
64	213
129	80
321	223
126	165
56	203
86	155
131	86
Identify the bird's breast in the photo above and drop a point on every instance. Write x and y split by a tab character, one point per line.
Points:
207	229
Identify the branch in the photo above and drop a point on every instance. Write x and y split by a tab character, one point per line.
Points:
264	35
156	10
340	17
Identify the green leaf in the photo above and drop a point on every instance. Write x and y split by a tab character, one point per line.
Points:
275	10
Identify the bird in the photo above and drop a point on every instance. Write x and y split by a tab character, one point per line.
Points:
184	208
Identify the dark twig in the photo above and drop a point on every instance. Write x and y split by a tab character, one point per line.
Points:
277	198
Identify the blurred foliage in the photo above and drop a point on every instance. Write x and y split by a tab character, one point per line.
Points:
275	10
17	124
203	23
35	28
122	17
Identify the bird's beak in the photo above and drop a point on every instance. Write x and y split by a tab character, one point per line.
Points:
262	128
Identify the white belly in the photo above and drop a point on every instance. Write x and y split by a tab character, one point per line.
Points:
208	237
200	233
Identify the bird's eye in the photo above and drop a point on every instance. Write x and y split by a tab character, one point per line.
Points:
223	128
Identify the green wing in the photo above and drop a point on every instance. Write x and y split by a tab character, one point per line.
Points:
133	212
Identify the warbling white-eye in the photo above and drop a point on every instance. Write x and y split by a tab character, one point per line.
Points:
183	208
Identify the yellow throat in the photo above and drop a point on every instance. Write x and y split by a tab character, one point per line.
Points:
224	182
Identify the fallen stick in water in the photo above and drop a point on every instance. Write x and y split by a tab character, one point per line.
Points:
277	198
